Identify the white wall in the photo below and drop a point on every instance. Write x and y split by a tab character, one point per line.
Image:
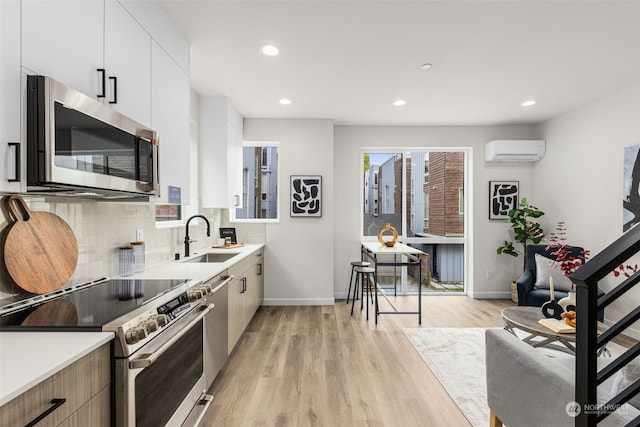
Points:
485	235
299	252
580	179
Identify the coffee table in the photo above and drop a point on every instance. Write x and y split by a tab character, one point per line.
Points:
526	319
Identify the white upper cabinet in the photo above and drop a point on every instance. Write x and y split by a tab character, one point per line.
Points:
71	40
64	40
127	62
10	96
170	118
220	153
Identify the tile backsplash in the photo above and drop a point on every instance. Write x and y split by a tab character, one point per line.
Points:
102	227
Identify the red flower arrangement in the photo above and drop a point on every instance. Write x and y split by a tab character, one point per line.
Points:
565	260
568	263
626	270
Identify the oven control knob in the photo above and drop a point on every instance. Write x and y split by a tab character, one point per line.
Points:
151	324
194	295
140	332
161	320
130	336
206	288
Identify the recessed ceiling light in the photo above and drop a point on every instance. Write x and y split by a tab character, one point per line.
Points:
426	66
399	102
285	101
528	103
270	50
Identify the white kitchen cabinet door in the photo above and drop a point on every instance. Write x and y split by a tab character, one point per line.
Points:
10	100
127	60
64	40
170	118
220	153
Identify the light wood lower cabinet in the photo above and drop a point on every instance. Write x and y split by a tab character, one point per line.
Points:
85	387
246	293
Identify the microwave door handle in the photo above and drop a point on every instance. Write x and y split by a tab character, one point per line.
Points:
114	100
145	362
102	83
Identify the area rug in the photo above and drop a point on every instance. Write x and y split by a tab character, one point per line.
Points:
456	358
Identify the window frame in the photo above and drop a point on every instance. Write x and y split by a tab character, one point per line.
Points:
467	238
232	210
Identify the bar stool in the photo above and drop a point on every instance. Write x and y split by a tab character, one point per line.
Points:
355	264
361	273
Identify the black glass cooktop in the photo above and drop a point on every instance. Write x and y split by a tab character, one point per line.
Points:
89	308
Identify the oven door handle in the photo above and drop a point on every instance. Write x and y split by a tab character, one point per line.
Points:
150	359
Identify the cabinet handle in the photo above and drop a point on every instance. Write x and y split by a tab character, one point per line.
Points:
114	100
17	145
56	404
102	83
244	285
259	269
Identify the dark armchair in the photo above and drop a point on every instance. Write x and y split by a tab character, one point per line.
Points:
528	294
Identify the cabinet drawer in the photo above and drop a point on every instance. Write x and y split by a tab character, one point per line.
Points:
77	383
96	412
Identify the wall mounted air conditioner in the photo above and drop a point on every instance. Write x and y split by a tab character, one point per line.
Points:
511	150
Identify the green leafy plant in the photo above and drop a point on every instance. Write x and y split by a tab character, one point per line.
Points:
524	227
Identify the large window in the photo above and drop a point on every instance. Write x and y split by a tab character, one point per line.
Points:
422	197
259	183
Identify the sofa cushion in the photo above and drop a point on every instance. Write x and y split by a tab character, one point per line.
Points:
544	270
625	377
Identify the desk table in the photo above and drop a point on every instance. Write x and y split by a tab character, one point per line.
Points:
409	255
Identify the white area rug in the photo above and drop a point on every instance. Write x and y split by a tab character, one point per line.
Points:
456	358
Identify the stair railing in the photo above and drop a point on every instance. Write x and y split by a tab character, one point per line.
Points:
588	378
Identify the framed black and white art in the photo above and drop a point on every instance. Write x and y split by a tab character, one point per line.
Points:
503	197
306	195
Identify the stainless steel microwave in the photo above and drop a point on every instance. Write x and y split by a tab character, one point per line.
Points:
79	146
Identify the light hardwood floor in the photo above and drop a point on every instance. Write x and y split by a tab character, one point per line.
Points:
320	366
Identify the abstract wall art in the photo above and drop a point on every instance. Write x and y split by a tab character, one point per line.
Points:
306	195
503	197
630	188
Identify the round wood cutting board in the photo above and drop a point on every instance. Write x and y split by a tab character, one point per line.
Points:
40	249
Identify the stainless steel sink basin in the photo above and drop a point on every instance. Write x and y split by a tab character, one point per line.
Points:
212	257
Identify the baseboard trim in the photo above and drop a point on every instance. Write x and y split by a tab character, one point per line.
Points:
490	295
298	301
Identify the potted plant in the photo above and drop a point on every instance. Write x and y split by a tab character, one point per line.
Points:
525	229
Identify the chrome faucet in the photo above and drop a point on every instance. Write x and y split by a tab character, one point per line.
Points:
187	240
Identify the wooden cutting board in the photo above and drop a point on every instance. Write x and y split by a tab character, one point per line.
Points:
232	246
40	249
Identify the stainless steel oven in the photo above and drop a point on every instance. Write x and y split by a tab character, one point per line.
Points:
159	354
77	145
164	382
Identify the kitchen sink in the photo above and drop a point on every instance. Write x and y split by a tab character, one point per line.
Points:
213	257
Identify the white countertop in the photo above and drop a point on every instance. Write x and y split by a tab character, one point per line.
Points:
398	248
28	358
200	271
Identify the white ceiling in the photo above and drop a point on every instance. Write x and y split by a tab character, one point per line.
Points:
349	60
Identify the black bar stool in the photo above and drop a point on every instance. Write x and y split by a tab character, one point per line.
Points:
361	273
355	264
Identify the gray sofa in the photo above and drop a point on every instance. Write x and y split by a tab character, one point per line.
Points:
526	387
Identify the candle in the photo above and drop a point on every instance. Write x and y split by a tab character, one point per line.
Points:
551	288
